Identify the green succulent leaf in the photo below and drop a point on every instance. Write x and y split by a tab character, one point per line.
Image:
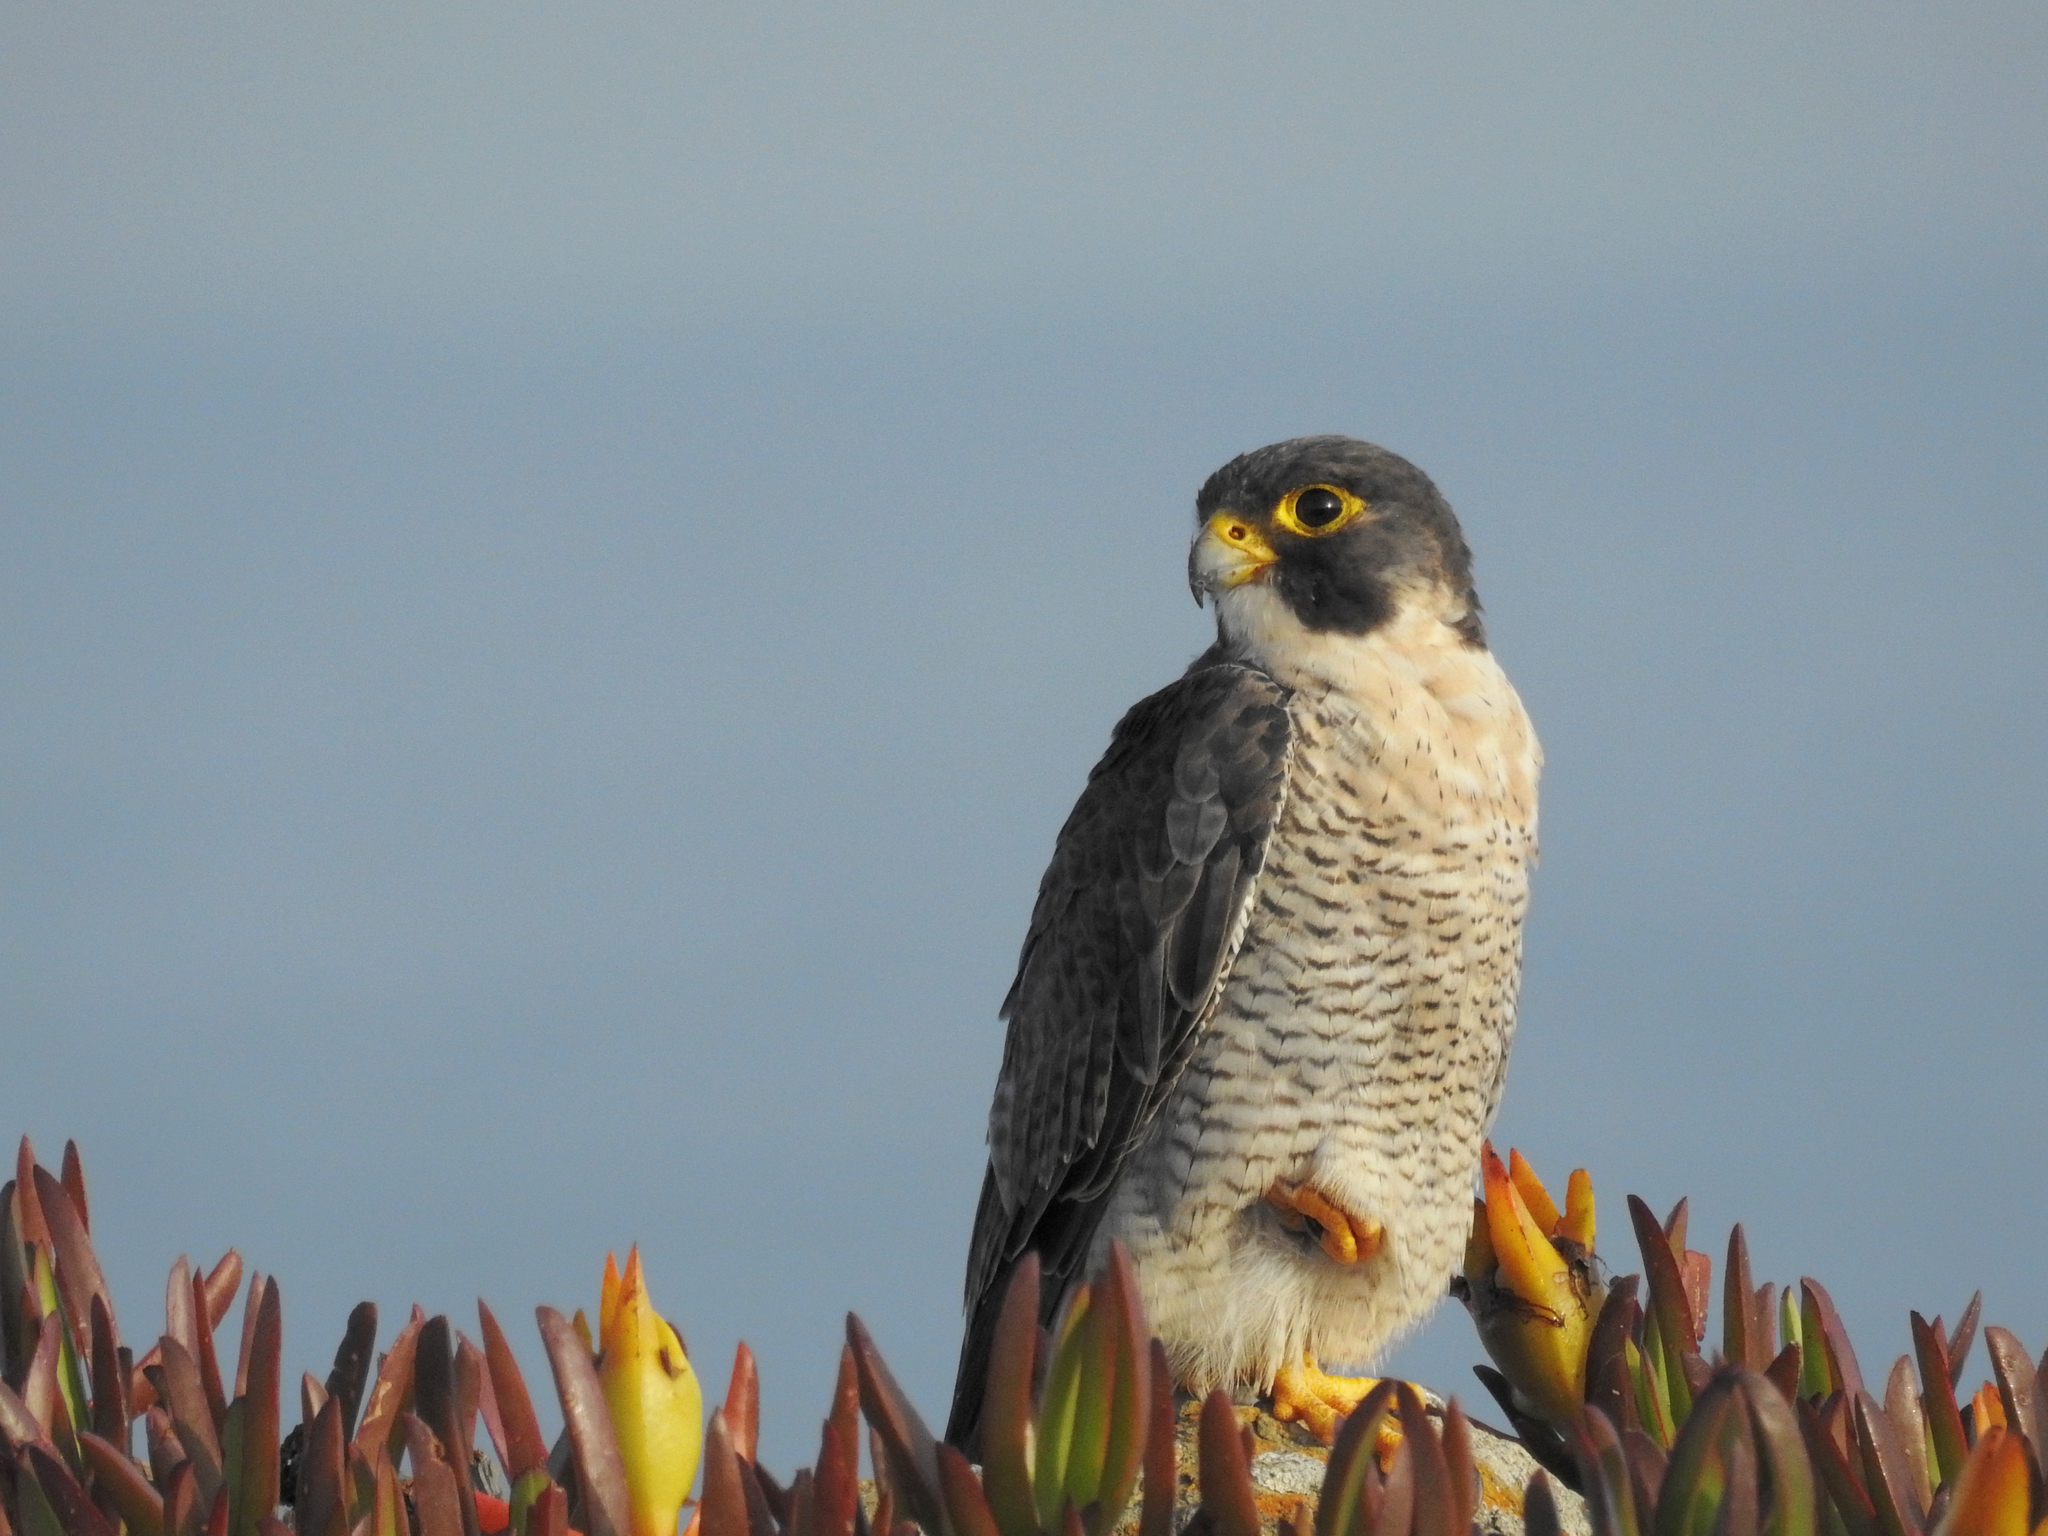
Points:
1059	1411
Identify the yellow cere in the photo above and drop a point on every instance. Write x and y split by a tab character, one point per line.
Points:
1286	516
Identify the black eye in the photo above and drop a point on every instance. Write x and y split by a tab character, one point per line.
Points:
1318	507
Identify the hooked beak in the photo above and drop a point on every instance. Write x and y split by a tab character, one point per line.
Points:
1228	552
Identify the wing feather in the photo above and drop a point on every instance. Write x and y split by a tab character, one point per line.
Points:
1130	939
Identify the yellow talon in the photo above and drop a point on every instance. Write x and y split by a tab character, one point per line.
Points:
1304	1393
1347	1239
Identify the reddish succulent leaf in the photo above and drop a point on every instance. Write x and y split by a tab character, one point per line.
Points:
1696	1271
1788	1474
773	1494
1738	1512
33	1228
1647	1465
222	1281
1886	1475
322	1505
1351	1464
1436	1501
78	1268
16	1315
217	1515
550	1514
1741	1343
270	1525
1841	1477
2013	1370
1607	1383
312	1397
1539	1508
723	1509
1388	1502
181	1501
1848	1376
350	1372
1006	1407
18	1424
177	1324
472	1393
73	1180
2041	1410
439	1401
1764	1321
1902	1407
600	1472
1937	1397
141	1507
1121	1310
1604	1477
1465	1486
1783	1372
878	1466
184	1398
207	1361
387	1517
259	1472
743	1406
109	1381
1697	1372
179	1317
1224	1470
913	1454
838	1470
1162	1455
1698	1457
1958	1344
1669	1307
164	1450
249	1310
39	1387
390	1395
180	1322
966	1504
803	1504
524	1448
1674	1226
433	1483
766	1503
67	1497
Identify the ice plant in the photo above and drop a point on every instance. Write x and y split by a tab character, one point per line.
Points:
1530	1286
656	1405
1991	1492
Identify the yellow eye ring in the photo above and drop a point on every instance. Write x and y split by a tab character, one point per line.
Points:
1322	519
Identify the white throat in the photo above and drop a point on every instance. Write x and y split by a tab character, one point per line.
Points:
1413	681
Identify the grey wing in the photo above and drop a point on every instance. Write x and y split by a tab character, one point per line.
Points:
1136	922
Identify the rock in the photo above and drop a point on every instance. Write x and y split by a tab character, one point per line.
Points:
1288	1464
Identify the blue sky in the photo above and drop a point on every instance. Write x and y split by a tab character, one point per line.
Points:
561	571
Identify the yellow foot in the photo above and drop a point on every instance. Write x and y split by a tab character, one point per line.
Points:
1346	1238
1307	1394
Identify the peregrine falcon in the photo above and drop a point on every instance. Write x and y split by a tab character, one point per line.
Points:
1262	1014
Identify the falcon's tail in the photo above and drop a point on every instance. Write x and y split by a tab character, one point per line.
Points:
1060	1231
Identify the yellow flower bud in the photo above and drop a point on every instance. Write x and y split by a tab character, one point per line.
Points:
656	1405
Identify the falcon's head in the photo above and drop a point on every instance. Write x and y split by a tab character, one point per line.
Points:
1342	534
